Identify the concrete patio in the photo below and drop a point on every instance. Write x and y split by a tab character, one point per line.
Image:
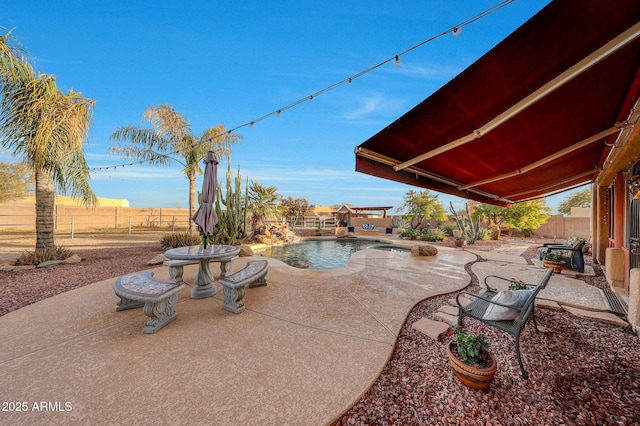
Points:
307	347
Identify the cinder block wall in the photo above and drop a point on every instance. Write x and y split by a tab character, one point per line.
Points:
565	227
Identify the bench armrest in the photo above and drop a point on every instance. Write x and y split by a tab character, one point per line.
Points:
479	296
503	279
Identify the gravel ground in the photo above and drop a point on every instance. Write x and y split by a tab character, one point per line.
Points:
21	288
581	372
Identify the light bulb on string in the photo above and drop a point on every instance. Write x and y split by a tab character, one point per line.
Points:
398	62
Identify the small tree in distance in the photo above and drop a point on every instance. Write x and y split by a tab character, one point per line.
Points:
578	199
419	206
17	181
291	207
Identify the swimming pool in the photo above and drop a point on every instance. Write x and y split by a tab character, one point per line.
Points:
323	254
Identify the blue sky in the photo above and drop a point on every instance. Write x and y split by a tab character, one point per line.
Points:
230	62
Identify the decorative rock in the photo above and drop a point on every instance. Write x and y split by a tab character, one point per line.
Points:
447	309
596	316
341	232
423	250
450	319
49	263
23	267
263	239
157	260
5	267
433	329
72	259
245	251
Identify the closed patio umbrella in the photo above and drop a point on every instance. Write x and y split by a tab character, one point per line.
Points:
205	217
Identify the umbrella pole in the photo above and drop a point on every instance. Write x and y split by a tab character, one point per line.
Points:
204	240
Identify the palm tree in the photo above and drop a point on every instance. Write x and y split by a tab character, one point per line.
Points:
46	128
171	134
262	202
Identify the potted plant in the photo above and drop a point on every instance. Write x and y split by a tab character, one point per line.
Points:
553	260
459	241
516	285
470	359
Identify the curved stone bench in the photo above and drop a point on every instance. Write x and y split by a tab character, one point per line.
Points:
234	286
158	298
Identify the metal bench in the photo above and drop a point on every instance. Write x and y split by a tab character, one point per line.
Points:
480	303
234	286
158	298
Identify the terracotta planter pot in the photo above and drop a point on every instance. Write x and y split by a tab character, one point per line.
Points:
557	266
475	378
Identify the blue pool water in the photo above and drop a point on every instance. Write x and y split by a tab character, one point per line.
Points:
322	254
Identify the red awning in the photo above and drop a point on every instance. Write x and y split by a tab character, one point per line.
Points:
536	114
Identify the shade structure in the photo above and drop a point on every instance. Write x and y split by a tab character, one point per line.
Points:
205	217
537	114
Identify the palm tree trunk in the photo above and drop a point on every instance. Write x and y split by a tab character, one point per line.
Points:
45	204
192	199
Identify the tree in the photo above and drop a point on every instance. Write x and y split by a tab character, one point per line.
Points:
291	207
16	180
420	206
578	199
46	129
171	134
523	215
262	202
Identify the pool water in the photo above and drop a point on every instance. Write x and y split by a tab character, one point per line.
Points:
322	254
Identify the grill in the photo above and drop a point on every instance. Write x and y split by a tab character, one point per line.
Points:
616	305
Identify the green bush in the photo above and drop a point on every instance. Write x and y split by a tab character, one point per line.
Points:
409	233
526	232
180	239
448	229
433	235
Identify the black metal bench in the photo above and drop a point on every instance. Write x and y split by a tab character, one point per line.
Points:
480	303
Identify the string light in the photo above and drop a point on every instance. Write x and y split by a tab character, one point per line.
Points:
455	30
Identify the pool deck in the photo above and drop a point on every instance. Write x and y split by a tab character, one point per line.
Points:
308	346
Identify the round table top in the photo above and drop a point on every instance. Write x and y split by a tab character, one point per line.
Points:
212	252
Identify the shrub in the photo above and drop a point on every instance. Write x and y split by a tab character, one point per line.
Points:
409	233
180	239
448	229
36	257
527	232
433	235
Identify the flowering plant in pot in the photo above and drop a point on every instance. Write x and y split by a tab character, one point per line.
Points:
470	359
553	260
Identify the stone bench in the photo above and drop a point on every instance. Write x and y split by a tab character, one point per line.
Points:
158	298
234	286
176	269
